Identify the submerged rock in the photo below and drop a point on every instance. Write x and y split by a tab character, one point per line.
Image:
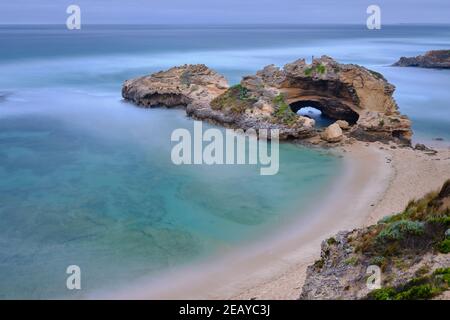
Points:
271	98
439	59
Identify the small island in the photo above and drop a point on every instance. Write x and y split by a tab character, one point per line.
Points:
437	59
358	99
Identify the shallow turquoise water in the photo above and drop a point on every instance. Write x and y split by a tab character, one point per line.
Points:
86	179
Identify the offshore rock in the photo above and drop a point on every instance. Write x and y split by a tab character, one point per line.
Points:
271	98
439	59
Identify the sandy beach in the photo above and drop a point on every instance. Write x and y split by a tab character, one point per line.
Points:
378	180
389	179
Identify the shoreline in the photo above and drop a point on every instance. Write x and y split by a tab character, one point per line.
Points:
408	174
376	181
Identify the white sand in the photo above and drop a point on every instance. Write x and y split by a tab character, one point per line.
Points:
377	181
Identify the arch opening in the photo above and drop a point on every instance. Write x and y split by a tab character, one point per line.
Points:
324	114
314	113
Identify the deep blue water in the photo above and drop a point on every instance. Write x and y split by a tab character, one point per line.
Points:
86	179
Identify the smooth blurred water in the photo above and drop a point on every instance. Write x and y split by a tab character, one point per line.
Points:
101	57
86	178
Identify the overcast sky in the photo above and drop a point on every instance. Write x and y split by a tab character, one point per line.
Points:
224	11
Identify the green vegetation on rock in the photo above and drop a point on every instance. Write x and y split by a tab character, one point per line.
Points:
236	99
418	288
331	241
377	74
444	246
321	69
400	229
419	228
283	112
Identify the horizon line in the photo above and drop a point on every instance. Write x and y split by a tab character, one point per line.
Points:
228	24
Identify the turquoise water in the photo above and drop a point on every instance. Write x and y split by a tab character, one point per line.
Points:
86	178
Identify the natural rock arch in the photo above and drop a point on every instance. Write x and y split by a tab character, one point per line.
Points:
267	99
341	113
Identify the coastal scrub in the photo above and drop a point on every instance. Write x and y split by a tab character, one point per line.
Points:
283	112
236	99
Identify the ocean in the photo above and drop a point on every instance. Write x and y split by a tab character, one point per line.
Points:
86	179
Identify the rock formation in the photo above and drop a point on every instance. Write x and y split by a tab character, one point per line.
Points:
344	125
411	249
178	86
439	59
271	98
332	133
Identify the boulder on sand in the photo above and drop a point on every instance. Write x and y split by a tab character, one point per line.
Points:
332	133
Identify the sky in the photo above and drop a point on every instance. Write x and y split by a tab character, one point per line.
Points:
223	11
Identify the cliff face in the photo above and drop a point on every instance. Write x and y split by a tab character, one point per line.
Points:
439	59
411	248
271	98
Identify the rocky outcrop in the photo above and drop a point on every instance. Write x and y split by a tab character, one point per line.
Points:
439	59
178	86
411	249
271	98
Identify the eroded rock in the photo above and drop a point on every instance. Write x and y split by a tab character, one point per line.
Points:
271	98
178	86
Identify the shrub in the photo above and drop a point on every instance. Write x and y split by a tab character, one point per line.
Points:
444	274
382	294
308	71
236	99
425	291
284	112
398	230
418	288
377	74
321	69
319	263
390	219
351	261
444	246
379	261
243	91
